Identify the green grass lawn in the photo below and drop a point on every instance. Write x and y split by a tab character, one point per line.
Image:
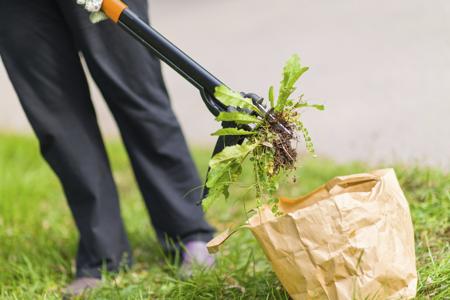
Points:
38	237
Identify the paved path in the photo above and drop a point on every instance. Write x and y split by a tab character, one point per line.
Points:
382	68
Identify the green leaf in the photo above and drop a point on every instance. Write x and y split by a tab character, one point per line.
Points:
306	104
220	177
271	97
232	98
224	174
206	203
238	118
308	142
213	195
232	131
318	106
291	73
215	174
231	152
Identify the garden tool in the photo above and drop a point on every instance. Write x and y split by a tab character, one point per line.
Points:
205	82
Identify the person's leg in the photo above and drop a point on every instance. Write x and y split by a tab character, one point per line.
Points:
44	67
131	81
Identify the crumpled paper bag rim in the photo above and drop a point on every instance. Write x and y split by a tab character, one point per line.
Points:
287	205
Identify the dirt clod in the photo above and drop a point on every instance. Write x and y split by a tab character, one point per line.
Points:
285	153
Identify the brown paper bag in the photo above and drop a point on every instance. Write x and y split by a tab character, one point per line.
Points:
352	238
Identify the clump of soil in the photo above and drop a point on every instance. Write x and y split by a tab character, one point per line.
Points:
285	154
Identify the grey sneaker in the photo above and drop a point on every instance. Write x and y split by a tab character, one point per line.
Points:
81	285
195	254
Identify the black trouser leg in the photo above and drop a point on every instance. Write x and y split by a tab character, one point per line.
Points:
43	64
131	82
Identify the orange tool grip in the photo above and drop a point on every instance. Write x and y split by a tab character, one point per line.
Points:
113	9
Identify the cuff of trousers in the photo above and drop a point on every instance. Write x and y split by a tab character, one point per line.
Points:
92	273
96	272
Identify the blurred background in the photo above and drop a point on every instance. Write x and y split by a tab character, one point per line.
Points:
382	68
